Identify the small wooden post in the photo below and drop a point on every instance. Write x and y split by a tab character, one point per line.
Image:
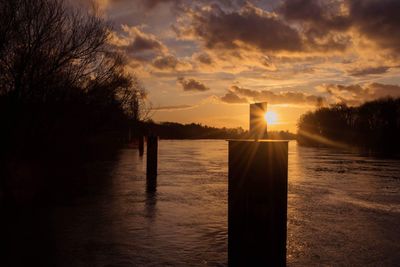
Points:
129	135
141	145
152	158
257	202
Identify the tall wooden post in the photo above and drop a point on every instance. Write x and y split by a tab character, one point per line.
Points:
257	202
151	164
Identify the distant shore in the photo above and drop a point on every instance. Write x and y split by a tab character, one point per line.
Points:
373	127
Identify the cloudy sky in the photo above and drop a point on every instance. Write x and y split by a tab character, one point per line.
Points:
204	61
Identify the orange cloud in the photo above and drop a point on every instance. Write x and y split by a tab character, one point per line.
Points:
192	85
219	29
137	44
242	95
356	94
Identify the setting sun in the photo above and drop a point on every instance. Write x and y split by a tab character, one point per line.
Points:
271	117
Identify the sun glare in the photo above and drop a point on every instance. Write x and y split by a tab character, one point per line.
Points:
271	117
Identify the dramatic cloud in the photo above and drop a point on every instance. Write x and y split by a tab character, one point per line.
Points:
204	58
356	94
154	3
296	26
323	23
166	62
369	70
379	20
103	4
192	85
232	98
170	63
321	16
144	42
237	94
249	26
138	44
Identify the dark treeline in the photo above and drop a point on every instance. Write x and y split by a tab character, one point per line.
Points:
173	130
373	126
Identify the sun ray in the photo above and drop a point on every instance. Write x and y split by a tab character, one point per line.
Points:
271	117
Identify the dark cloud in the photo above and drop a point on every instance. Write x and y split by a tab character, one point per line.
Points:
334	89
192	85
172	64
323	23
271	97
249	26
166	62
355	94
137	44
369	70
379	20
154	3
322	27
144	42
302	10
204	58
295	25
322	16
149	4
232	98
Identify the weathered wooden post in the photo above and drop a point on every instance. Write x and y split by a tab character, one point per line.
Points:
257	202
141	145
151	164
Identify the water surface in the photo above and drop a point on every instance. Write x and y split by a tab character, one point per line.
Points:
343	210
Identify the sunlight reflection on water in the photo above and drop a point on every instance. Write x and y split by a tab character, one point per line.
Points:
343	210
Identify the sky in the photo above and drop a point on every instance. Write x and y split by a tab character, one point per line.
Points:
204	61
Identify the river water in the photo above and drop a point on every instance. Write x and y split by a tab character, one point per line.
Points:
343	210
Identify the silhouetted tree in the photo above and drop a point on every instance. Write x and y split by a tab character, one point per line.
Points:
60	79
374	126
64	95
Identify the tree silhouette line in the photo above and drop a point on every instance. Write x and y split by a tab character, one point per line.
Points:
174	130
373	126
65	98
62	85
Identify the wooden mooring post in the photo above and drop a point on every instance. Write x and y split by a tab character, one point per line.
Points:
257	202
151	164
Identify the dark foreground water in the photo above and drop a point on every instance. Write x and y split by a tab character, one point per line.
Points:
343	210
